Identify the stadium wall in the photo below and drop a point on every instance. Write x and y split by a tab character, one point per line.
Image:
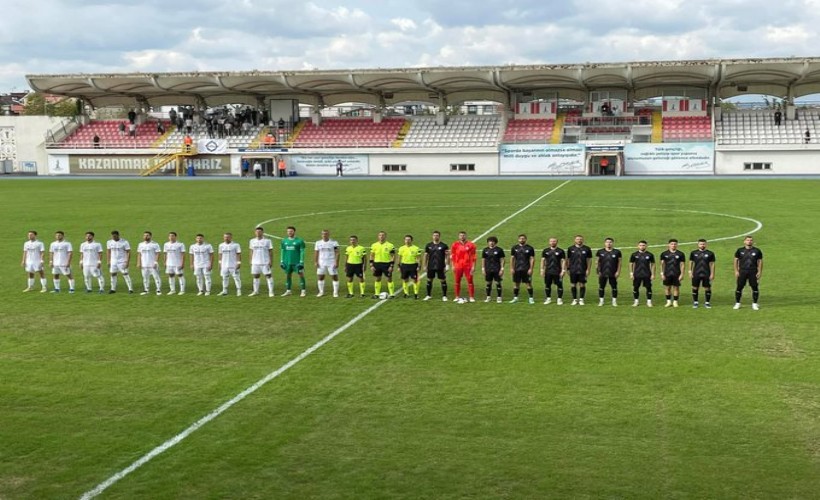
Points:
22	140
765	160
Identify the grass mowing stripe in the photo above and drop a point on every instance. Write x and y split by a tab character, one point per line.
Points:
97	490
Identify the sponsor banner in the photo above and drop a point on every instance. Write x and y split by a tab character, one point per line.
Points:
669	158
58	165
211	146
542	159
134	164
326	164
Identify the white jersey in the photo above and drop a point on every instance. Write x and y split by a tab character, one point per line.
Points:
327	252
119	251
90	253
259	251
228	254
34	253
59	253
201	254
174	253
149	252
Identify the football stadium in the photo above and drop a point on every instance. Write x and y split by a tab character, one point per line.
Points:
198	321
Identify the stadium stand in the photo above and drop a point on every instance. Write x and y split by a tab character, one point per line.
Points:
758	127
687	128
110	136
238	139
460	131
348	133
529	131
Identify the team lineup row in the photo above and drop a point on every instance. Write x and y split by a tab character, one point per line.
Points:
382	257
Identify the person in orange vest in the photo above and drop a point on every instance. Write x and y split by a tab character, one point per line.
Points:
281	166
604	164
269	141
188	141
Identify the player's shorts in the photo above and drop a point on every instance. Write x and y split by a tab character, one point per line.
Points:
324	269
173	270
642	282
92	271
382	268
409	271
701	281
201	271
491	276
118	267
671	281
577	278
747	277
34	268
228	271
292	268
436	273
521	276
603	280
257	269
352	270
61	270
552	279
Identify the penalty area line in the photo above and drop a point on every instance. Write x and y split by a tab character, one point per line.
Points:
97	490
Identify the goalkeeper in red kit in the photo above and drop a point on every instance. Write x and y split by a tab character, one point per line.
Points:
463	258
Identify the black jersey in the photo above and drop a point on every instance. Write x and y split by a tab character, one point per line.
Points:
436	255
492	259
554	259
608	261
671	262
577	257
642	261
521	255
701	263
747	258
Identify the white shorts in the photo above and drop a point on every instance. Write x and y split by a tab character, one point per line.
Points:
175	270
201	271
34	268
61	270
231	271
327	269
118	267
260	269
92	271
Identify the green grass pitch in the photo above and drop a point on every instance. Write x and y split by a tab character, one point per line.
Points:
418	399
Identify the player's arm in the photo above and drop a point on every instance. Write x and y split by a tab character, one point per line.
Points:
652	271
99	260
737	266
512	262
447	263
589	265
302	250
372	258
424	260
632	267
711	270
316	258
532	264
682	269
543	266
210	260
70	255
127	258
598	266
23	262
139	259
108	255
336	257
238	257
691	266
759	267
394	257
501	267
618	269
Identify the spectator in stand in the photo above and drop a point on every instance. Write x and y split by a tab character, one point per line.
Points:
188	141
160	127
189	125
173	116
808	136
228	128
132	129
281	125
281	166
269	141
96	141
121	128
132	116
778	115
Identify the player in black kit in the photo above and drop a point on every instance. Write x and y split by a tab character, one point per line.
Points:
673	263
492	267
522	259
553	267
702	272
642	272
748	269
579	263
608	269
434	263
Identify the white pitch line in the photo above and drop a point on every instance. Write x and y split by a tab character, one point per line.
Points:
97	490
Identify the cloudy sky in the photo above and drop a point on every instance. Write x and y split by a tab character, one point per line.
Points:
104	36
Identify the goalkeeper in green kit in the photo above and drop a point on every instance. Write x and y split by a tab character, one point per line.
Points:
292	258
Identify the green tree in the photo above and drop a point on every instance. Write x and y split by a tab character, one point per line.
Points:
37	104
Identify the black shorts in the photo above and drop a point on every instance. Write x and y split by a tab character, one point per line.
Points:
521	276
577	278
491	276
698	282
552	279
747	277
671	281
352	270
603	280
409	271
642	282
436	273
384	268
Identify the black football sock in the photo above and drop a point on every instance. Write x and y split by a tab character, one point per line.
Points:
738	295
429	287
708	294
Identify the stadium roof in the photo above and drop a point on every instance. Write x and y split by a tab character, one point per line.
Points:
724	78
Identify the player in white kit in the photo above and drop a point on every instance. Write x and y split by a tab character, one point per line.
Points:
33	250
261	249
202	261
60	252
91	261
174	263
148	261
326	258
230	258
119	259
